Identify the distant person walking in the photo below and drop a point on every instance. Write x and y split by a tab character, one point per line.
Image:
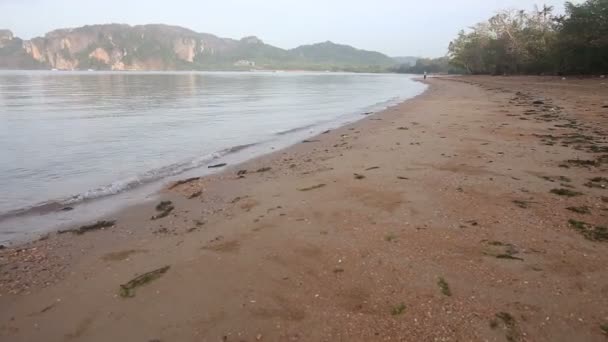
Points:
425	75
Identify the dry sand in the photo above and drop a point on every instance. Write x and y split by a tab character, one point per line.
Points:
431	221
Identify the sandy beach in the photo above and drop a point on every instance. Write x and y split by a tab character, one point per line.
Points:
477	211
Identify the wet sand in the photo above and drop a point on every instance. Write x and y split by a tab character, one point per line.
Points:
475	211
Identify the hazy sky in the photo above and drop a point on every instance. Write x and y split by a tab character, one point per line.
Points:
394	27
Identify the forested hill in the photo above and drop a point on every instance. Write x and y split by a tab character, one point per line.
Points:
163	47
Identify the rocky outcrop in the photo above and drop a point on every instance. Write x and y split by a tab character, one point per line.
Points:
6	37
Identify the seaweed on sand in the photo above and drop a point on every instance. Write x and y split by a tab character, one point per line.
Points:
444	287
87	228
165	208
318	186
590	232
184	181
566	192
398	309
127	290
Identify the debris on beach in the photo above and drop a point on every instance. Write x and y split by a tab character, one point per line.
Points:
444	287
237	199
241	172
195	195
565	192
318	186
185	181
165	208
88	228
359	176
502	250
522	203
512	333
590	232
580	210
264	169
597	182
398	309
586	162
310	141
47	308
338	270
127	290
217	166
372	168
390	237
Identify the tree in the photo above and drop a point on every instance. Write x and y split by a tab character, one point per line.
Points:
536	42
583	37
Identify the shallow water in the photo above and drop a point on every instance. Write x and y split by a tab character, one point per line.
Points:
70	137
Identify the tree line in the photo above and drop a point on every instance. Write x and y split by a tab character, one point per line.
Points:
531	42
439	65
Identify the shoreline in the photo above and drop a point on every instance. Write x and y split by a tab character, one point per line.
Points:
49	216
345	236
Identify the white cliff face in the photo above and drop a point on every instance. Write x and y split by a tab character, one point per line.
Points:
65	44
33	50
116	60
118	66
185	49
100	55
113	58
56	58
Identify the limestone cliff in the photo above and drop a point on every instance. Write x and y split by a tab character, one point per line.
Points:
162	47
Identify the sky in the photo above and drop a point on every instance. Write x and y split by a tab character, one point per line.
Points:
395	27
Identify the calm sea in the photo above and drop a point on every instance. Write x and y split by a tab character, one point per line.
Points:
69	138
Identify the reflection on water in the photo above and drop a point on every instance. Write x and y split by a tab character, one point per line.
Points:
95	133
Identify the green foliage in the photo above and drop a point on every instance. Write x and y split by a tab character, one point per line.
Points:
583	37
537	42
